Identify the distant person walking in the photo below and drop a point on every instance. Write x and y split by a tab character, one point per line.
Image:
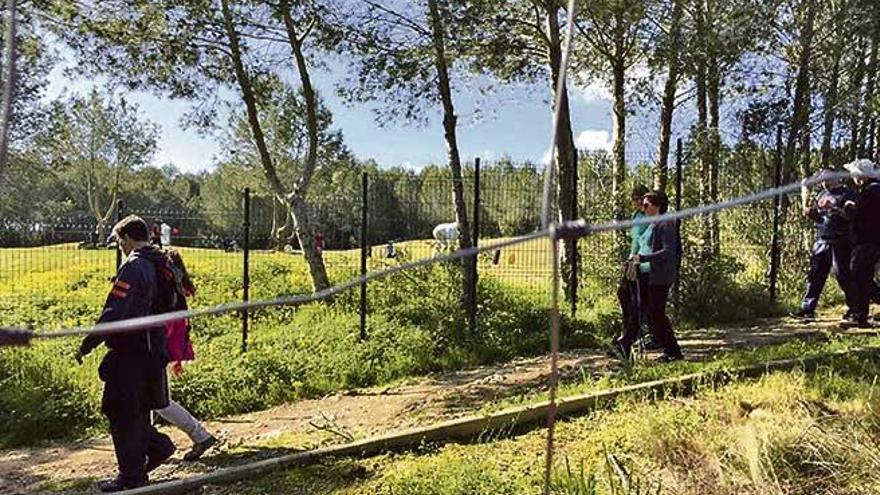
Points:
156	234
133	370
832	249
165	232
865	213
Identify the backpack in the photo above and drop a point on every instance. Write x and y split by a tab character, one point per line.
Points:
173	283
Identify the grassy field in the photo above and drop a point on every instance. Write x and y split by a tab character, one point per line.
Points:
415	326
787	433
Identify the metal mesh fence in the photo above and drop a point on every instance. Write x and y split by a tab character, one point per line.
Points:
402	210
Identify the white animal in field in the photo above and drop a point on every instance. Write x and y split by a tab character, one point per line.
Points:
446	234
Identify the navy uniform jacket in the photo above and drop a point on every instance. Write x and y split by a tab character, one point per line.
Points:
866	216
831	224
134	368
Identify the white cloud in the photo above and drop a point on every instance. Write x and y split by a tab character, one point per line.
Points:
588	140
595	90
593	140
545	158
591	88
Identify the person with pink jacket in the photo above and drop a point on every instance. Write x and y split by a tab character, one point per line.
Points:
180	349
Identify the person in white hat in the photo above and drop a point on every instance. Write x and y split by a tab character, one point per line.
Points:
865	214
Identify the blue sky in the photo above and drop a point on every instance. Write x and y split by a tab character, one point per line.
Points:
515	124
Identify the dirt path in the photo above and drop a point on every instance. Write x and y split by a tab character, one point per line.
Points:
74	468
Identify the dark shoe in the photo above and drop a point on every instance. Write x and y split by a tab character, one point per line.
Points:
804	315
199	449
649	344
852	321
116	485
156	461
668	358
617	351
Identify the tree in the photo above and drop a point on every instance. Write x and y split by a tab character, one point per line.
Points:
617	33
831	48
800	115
287	136
33	61
719	34
405	56
671	53
97	142
520	41
872	33
191	49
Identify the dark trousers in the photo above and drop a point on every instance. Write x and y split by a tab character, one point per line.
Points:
129	390
653	299
136	441
828	255
658	321
863	263
632	303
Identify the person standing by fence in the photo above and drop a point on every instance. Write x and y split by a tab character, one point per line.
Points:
832	248
133	370
165	231
865	212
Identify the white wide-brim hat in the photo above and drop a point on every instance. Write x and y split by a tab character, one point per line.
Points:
862	168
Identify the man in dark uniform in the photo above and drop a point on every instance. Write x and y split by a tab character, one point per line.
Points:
133	370
865	212
832	248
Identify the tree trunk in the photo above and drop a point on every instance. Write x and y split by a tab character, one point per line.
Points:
319	275
830	109
868	112
564	151
701	139
702	152
302	224
618	175
801	111
855	93
468	264
714	144
661	172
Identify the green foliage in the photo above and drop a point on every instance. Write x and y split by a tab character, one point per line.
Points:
470	473
415	326
710	292
780	434
579	482
41	397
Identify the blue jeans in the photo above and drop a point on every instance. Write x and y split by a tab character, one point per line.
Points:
826	255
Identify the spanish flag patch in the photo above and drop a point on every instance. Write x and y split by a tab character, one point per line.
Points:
120	289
